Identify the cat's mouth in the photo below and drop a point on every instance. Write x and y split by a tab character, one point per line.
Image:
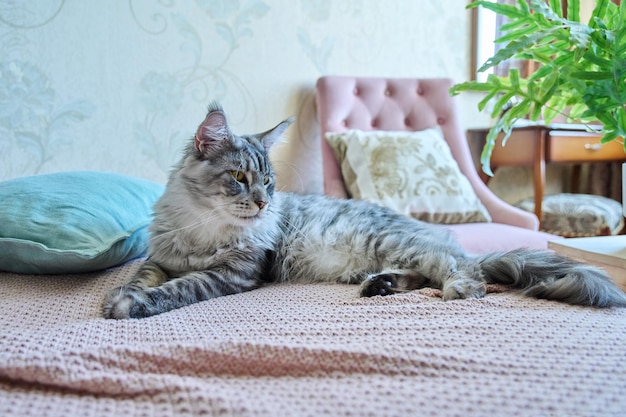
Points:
247	219
246	215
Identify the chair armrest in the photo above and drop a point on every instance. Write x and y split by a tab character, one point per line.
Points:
503	212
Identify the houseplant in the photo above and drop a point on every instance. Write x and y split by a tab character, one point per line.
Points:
581	74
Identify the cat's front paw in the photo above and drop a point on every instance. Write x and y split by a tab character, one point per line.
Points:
461	288
121	303
381	284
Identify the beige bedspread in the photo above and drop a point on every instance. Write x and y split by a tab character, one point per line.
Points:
305	350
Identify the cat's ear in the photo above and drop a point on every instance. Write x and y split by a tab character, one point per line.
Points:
271	136
213	130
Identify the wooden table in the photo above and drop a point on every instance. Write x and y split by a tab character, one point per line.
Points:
536	145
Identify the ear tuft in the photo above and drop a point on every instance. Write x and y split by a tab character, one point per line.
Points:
213	130
273	135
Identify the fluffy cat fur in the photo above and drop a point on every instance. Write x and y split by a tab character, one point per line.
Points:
221	228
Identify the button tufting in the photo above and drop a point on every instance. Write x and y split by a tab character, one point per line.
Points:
407	122
344	123
420	91
374	123
387	92
441	120
356	91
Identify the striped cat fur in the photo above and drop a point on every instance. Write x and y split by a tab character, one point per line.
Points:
222	228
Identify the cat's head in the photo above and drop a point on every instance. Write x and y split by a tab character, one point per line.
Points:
230	174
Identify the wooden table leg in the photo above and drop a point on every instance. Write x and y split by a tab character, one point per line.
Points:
539	172
575	181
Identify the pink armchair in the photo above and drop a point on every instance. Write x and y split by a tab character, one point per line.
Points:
364	103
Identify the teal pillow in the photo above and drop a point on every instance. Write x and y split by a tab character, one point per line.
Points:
72	222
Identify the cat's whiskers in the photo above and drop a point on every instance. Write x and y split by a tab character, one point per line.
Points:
293	228
294	172
205	222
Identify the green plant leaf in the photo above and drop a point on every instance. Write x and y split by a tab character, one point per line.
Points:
513	48
545	11
599	23
523	6
514	76
547	86
503	125
553	108
592	75
580	35
596	60
541	72
606	119
563	60
535	113
501	102
582	67
516	34
573	10
514	24
470	86
483	103
577	110
621	119
485	155
531	87
608	136
555	5
542	58
522	108
503	9
598	13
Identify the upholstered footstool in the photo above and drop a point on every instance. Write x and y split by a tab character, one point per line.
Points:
578	215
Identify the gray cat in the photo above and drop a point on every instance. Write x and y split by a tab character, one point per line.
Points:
221	228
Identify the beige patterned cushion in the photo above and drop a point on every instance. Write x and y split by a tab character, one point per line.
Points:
578	215
413	173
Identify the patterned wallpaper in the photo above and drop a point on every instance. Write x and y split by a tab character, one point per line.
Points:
121	85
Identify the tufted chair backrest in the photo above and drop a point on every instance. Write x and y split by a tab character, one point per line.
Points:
368	103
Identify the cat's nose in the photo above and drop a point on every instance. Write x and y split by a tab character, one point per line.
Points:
261	204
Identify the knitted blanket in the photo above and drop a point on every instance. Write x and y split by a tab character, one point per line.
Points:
305	350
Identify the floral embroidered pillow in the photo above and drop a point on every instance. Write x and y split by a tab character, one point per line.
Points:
412	173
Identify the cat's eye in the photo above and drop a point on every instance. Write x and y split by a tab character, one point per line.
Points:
266	180
237	175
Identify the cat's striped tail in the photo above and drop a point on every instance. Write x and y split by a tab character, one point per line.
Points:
544	274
